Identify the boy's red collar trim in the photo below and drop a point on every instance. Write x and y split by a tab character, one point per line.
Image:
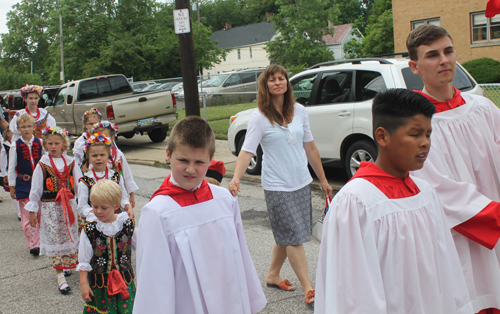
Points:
441	106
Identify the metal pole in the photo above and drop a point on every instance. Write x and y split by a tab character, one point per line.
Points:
188	66
62	53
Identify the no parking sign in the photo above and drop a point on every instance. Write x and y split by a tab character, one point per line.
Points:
181	21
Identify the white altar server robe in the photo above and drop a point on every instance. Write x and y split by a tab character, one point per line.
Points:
388	256
195	259
463	166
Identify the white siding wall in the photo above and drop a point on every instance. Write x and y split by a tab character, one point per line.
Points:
259	59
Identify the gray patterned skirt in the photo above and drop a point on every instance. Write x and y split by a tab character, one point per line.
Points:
290	214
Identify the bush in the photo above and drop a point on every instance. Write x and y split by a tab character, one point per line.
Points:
484	70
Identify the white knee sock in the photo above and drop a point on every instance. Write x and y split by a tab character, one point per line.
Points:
61	281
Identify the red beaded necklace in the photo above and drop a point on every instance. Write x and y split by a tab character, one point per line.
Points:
103	177
63	176
37	112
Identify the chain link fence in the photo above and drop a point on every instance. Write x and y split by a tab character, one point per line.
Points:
492	91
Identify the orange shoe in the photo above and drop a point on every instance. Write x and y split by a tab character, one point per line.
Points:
284	285
310	297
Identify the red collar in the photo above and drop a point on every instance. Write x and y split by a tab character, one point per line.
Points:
37	112
391	186
182	196
441	106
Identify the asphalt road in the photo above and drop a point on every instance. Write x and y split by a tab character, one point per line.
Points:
28	284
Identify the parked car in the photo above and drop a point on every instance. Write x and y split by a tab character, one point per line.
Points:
15	101
230	87
149	88
338	98
145	112
140	85
167	86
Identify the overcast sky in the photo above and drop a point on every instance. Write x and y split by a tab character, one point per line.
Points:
5	6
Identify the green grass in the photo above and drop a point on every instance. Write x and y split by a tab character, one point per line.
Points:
218	117
493	93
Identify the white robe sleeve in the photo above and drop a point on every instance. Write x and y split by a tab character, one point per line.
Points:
348	278
85	253
77	174
461	200
51	121
36	190
129	182
155	273
13	127
12	165
83	200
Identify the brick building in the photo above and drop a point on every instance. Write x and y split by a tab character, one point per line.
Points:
474	35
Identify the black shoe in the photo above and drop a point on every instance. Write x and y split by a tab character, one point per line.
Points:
67	273
19	218
35	251
65	290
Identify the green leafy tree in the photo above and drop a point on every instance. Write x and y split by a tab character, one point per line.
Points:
300	26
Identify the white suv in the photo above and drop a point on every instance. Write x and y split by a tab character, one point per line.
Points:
338	98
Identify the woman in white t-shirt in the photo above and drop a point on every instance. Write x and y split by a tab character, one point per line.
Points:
281	126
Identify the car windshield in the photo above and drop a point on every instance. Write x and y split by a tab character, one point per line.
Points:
215	81
414	81
176	87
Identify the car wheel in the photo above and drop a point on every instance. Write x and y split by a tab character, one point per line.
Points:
358	152
158	135
128	135
255	166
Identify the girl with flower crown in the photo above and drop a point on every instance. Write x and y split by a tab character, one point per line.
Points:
97	154
111	130
53	183
90	117
31	95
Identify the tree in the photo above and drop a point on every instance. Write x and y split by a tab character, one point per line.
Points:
379	37
300	26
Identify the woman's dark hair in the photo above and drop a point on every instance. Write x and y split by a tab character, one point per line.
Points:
264	97
393	107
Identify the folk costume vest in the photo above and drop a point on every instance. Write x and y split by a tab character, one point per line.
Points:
26	163
110	253
52	183
90	182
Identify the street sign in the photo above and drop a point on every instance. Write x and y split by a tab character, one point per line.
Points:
181	21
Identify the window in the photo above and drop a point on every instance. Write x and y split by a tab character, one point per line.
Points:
368	84
234	79
60	97
239	54
484	29
414	81
434	21
112	85
335	88
302	88
250	52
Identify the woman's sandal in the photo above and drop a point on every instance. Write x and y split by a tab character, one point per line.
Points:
310	297
284	285
63	286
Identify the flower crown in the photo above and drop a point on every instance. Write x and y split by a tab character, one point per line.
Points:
91	111
105	124
51	130
28	89
97	137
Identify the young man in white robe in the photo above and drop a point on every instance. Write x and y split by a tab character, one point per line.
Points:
386	247
463	164
192	255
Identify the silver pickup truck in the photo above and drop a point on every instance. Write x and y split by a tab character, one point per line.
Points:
133	112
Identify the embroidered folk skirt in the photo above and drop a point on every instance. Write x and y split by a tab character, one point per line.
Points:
102	302
290	214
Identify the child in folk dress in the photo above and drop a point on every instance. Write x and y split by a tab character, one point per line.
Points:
31	95
97	153
54	184
24	155
106	274
90	117
111	130
192	255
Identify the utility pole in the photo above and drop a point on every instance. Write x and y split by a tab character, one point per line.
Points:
188	60
198	11
62	54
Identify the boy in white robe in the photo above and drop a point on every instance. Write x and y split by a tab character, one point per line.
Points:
192	255
463	164
386	247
